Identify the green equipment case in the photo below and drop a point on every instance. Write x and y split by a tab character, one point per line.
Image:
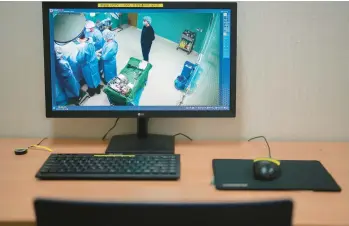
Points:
136	76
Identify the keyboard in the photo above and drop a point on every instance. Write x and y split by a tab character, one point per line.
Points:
110	167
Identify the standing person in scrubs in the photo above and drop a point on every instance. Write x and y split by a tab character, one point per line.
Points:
147	37
92	32
108	55
86	57
96	36
75	66
61	98
65	76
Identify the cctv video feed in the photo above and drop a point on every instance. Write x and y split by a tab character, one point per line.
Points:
149	58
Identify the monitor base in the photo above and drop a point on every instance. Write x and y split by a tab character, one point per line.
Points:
132	144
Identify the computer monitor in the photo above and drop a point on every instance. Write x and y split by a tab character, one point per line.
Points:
142	60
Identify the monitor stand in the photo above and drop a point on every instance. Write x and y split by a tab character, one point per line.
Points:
142	142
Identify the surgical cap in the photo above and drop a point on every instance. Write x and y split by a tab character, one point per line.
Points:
89	24
107	34
148	19
59	51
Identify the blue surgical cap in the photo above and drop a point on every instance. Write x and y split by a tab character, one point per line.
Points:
107	34
148	19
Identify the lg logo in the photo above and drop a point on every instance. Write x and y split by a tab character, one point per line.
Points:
140	114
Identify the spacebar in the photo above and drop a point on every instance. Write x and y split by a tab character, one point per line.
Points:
95	171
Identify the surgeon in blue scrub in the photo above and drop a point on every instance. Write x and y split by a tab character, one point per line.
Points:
108	55
92	32
60	98
76	67
87	59
65	76
96	36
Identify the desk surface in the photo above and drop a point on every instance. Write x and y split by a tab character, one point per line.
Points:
19	187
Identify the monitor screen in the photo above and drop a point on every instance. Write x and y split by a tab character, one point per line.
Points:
135	59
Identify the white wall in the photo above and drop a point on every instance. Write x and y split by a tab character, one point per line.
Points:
293	77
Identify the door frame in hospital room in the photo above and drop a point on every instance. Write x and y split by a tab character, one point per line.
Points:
132	19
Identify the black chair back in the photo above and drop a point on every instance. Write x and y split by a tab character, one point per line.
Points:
77	213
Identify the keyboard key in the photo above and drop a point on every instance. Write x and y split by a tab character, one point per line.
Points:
44	170
95	171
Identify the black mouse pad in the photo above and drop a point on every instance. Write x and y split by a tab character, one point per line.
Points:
237	174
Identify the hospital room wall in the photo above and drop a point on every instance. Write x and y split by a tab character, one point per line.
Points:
205	84
171	25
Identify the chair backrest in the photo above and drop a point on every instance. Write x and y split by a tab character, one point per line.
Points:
77	213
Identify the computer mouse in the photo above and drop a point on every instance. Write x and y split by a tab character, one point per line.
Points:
266	169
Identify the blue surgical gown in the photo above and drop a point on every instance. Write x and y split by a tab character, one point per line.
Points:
66	78
109	51
88	62
97	38
75	66
60	97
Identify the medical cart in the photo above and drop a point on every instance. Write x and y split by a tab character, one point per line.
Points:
187	41
127	87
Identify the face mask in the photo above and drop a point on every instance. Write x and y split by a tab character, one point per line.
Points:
144	23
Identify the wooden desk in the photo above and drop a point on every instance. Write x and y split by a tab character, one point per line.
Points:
18	186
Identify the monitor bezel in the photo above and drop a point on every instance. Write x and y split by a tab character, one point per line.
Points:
149	114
